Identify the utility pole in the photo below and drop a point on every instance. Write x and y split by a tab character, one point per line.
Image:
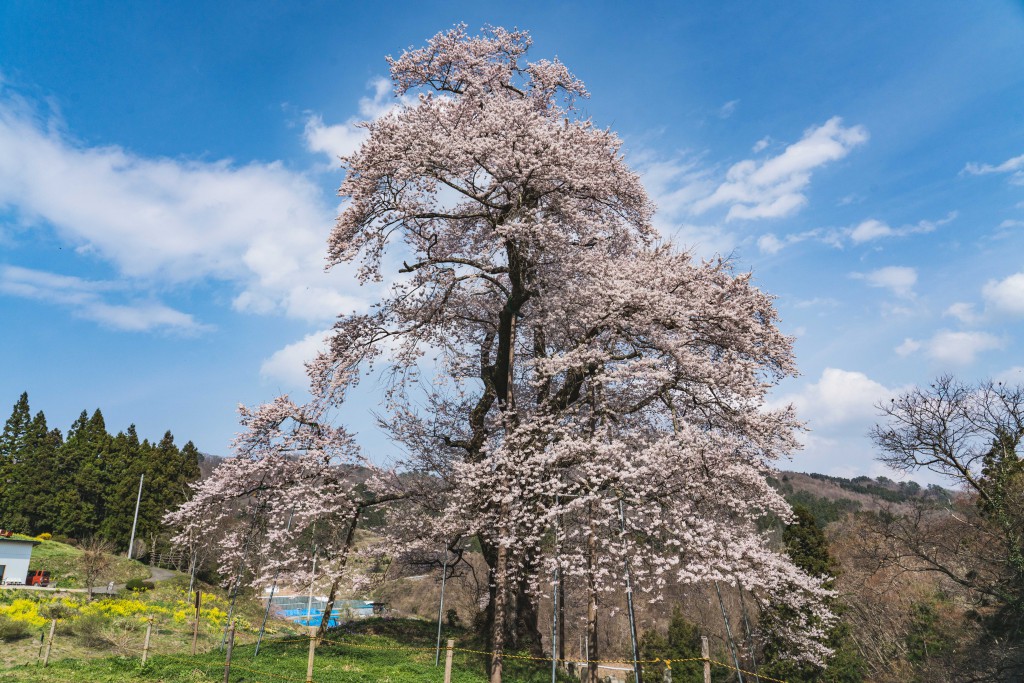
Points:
135	521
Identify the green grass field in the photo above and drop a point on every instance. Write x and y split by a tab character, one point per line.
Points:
370	651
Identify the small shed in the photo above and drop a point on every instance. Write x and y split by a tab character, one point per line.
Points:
15	555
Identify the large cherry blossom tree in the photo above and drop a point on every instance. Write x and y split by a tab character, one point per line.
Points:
584	366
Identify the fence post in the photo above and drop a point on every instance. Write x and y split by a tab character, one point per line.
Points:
448	661
312	654
705	652
666	677
49	642
227	658
195	626
145	644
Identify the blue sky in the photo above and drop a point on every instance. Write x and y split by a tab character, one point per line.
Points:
167	185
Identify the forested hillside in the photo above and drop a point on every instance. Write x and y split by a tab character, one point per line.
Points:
85	483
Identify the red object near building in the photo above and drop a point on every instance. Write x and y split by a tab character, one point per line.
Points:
38	578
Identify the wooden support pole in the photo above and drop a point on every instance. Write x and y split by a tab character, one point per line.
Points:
312	654
448	661
705	653
230	646
666	677
49	642
145	643
195	624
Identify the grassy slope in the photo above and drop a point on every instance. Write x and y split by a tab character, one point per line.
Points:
372	651
61	560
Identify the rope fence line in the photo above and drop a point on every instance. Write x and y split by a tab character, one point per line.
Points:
191	661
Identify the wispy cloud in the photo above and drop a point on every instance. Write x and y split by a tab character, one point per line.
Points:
1014	166
774	187
727	109
91	300
869	230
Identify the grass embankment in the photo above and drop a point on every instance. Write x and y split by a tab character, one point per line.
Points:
369	651
62	561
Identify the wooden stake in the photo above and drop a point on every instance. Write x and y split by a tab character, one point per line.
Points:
195	625
49	642
448	662
227	657
145	644
312	653
705	652
666	677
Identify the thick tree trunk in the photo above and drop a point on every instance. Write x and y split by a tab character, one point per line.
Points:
526	633
500	611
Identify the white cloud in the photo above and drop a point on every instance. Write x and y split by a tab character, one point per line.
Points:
89	300
838	397
259	226
342	139
1014	165
908	347
287	366
761	144
1006	295
866	231
770	244
728	109
774	187
1011	223
898	279
872	229
963	312
961	348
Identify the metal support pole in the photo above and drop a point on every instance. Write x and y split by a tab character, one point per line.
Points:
273	588
629	599
440	607
135	521
728	633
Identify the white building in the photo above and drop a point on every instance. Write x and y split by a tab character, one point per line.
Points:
15	555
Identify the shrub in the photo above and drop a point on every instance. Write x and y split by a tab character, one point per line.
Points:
45	536
11	630
90	629
139	585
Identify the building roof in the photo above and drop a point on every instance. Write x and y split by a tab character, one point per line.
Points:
4	539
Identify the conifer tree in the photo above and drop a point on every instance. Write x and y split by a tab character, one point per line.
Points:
807	546
12	444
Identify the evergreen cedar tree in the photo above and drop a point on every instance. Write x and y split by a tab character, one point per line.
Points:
86	485
580	364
